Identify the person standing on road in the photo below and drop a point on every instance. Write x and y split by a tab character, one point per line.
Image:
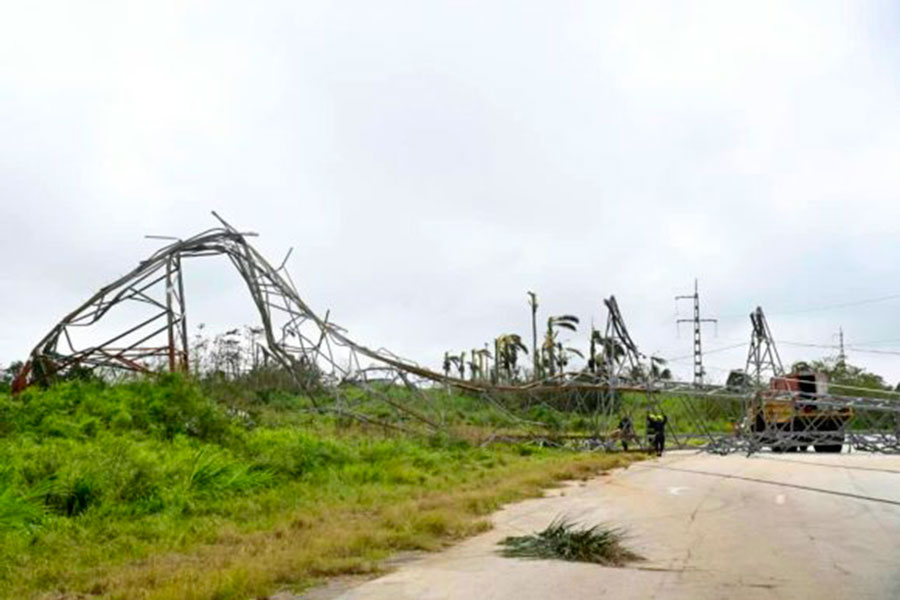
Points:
626	431
656	431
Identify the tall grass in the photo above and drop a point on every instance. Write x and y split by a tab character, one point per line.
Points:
154	489
18	512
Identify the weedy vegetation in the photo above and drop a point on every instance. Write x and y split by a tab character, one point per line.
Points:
169	488
564	539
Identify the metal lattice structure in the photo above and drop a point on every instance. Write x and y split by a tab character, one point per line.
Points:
791	412
346	378
699	372
762	357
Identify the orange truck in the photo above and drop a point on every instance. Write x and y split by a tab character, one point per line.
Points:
794	413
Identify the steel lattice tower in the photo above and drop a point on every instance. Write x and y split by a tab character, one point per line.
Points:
697	321
762	357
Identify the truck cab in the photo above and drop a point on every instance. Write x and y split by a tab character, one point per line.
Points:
796	412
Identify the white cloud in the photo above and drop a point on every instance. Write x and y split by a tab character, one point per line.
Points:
431	162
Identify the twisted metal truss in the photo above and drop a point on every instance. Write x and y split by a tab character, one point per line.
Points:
344	377
792	412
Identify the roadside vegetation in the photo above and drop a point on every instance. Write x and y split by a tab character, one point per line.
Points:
169	488
226	484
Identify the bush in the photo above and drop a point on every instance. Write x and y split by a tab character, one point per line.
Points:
168	406
294	453
177	406
16	511
214	475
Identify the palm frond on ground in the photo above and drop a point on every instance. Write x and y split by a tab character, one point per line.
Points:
565	540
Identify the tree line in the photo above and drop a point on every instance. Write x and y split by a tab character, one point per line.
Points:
498	361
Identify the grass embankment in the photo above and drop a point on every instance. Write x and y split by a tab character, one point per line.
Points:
154	490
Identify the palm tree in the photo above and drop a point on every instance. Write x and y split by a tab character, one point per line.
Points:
551	356
458	362
658	370
593	357
613	350
481	363
606	353
474	370
563	354
507	348
533	303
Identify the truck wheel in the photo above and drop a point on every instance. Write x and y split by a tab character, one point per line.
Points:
829	448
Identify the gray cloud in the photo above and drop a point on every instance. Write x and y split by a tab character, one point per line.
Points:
431	162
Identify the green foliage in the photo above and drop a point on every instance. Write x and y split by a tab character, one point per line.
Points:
565	540
8	374
16	510
95	474
167	407
213	474
845	379
292	453
553	419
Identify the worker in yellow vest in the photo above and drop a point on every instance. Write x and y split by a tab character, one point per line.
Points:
656	431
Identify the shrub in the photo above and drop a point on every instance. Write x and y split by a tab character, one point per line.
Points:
213	474
293	453
177	406
16	511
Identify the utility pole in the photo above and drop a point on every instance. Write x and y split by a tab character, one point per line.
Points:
697	321
842	356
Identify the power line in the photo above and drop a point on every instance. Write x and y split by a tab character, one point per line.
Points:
827	306
788	343
880	342
713	351
844	304
836	347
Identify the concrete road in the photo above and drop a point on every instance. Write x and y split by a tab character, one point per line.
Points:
772	526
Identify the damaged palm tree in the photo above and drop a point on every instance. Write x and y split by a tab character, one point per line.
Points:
554	355
507	348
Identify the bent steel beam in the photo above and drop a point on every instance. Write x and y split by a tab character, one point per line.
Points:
327	364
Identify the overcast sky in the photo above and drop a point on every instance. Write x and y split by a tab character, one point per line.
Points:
432	161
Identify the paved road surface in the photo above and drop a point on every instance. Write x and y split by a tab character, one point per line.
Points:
768	527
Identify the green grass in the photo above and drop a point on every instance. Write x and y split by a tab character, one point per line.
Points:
155	489
558	412
566	540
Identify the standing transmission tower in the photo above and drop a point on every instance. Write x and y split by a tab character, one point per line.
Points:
842	356
697	321
763	355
